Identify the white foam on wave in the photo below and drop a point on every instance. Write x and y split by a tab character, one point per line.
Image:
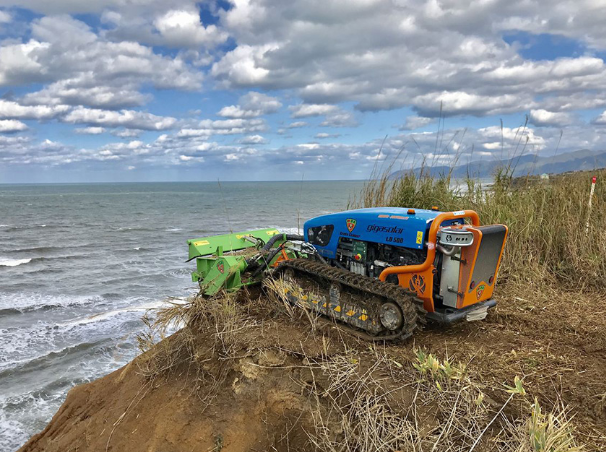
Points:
150	306
23	345
25	410
25	301
13	262
14	433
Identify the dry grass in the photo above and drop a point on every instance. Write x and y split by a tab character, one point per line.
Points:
188	352
549	432
547	221
361	397
370	402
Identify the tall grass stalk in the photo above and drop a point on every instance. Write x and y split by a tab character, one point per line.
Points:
546	220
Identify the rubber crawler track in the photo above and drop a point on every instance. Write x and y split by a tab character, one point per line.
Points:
411	307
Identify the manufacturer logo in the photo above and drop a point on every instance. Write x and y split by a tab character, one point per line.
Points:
417	284
351	224
387	229
221	267
480	291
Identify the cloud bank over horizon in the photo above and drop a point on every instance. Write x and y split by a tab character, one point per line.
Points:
258	90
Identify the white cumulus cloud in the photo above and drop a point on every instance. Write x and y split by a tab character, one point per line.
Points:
11	109
306	110
601	120
90	130
253	139
126	118
542	117
11	125
182	28
251	105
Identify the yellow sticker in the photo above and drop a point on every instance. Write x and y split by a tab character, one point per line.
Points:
419	237
201	242
274	232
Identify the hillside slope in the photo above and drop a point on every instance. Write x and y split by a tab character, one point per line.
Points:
252	376
522	165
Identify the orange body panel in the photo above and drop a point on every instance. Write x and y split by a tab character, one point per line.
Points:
419	278
422	284
426	270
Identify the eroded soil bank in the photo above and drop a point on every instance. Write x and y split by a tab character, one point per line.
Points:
249	375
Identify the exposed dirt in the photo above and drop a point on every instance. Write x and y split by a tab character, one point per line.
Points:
555	341
261	388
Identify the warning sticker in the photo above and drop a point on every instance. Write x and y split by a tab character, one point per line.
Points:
201	242
419	237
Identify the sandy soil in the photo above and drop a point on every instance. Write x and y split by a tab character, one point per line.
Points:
251	391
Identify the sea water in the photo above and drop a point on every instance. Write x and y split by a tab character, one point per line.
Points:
80	264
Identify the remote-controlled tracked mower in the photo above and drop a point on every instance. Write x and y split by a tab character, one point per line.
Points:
378	272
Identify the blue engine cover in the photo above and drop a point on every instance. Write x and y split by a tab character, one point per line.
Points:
388	225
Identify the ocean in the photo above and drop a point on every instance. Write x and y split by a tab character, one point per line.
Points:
80	264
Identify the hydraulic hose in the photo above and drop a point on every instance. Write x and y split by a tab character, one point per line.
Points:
254	261
285	237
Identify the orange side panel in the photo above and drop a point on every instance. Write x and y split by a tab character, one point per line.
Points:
420	283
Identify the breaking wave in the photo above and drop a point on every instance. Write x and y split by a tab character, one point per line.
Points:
13	262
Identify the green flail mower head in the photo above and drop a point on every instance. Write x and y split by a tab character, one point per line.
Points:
231	261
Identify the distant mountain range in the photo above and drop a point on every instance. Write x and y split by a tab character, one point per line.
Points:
581	160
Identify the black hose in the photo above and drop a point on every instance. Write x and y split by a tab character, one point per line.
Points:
285	237
338	264
254	261
268	258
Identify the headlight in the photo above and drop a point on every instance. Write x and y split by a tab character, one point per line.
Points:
455	237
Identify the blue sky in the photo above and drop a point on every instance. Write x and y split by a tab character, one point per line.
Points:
148	90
